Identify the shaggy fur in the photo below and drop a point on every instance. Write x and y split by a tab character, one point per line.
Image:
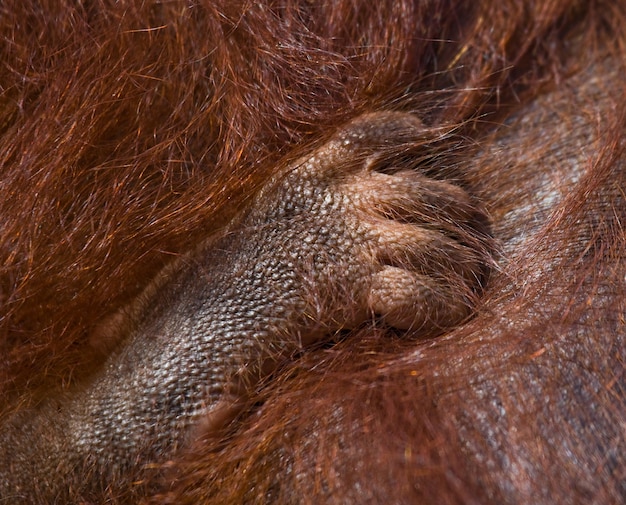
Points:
131	131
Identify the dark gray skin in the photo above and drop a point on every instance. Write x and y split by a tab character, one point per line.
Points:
329	244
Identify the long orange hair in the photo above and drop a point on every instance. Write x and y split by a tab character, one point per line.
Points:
129	131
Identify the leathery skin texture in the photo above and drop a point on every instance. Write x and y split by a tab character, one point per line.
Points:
340	237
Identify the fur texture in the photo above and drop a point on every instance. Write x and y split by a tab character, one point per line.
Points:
132	131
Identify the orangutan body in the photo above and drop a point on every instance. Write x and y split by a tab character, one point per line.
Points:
363	306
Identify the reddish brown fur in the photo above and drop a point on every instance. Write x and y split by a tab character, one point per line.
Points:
129	132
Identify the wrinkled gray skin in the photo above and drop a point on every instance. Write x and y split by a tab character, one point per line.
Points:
327	245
